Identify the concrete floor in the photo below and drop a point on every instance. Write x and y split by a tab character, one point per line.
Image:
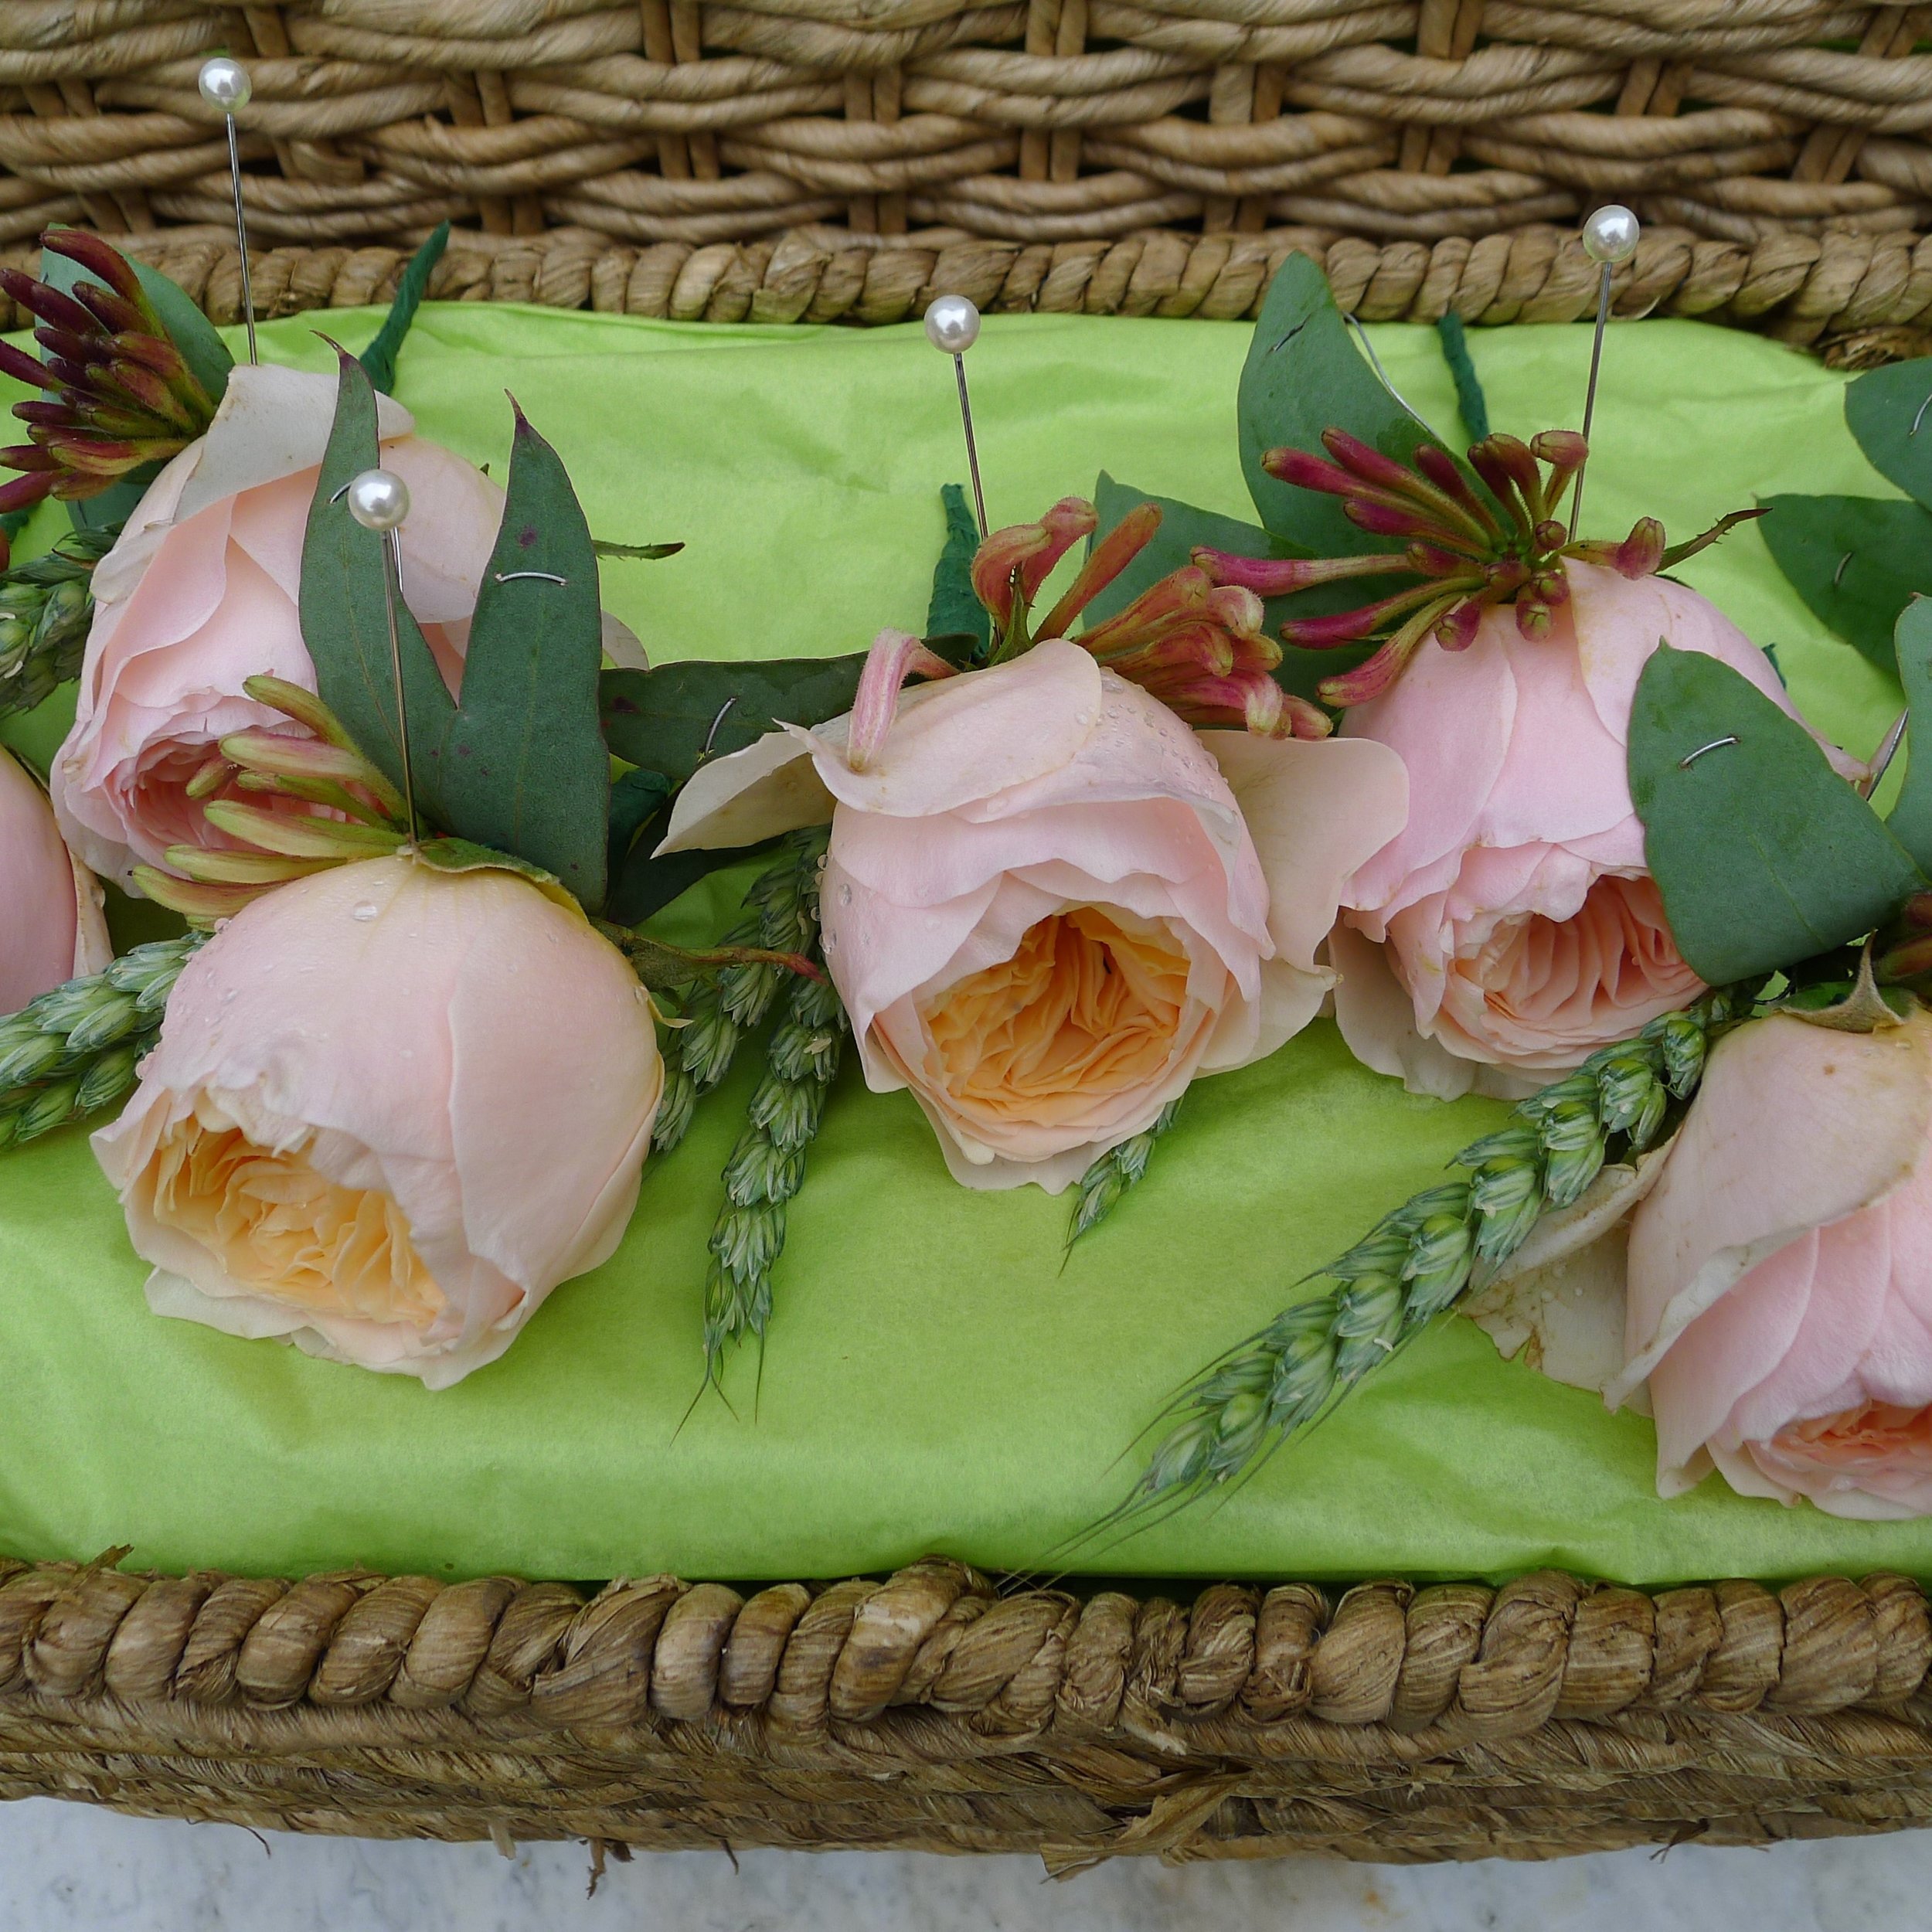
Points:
70	1868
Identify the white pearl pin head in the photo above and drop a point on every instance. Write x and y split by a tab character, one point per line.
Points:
1610	236
225	84
378	499
952	325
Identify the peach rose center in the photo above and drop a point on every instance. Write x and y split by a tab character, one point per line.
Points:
283	1230
1086	1006
1875	1434
1615	952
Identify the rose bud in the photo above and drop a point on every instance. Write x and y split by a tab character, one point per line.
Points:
1049	903
391	1109
1512	928
51	927
1779	1284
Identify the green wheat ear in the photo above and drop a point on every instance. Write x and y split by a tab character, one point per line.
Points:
73	1051
1421	1259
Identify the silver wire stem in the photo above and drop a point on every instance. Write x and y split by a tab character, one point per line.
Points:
972	448
241	237
392	582
1589	394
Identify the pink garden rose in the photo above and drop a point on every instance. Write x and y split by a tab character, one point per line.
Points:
200	593
1049	903
391	1109
51	927
1511	928
1779	1282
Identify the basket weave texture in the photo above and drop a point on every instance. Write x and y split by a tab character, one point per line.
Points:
776	160
929	1711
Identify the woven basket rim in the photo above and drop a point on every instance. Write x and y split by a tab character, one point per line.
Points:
1857	298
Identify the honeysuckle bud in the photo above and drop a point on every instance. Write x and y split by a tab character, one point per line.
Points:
123	395
895	656
1021	557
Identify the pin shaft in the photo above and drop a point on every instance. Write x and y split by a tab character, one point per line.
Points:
972	447
1590	395
392	581
241	237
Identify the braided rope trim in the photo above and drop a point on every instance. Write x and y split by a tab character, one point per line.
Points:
1383	1669
1865	297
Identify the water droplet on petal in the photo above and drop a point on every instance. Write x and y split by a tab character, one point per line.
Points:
844	894
365	912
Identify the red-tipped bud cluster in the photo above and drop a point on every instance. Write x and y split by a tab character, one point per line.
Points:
122	396
1193	640
1470	550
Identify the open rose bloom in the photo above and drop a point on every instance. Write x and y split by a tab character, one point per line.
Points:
51	927
391	1109
1048	903
1511	928
201	593
1780	1273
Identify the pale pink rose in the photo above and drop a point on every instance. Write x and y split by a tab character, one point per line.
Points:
51	927
1780	1284
1049	903
200	593
391	1109
1511	928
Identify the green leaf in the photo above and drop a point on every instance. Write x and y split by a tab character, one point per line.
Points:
674	717
380	358
1887	410
641	884
954	610
1911	820
464	855
1303	375
1857	561
523	766
634	552
1765	856
344	621
1183	528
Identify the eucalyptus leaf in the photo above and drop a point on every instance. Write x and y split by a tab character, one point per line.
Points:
1911	819
955	610
523	766
344	621
641	884
380	358
1183	529
1765	856
1857	561
1303	375
463	855
1886	410
633	553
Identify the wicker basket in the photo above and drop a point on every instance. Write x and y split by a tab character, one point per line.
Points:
928	1713
825	160
782	160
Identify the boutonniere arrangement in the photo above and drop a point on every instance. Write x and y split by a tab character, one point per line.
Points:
1531	818
1638	894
